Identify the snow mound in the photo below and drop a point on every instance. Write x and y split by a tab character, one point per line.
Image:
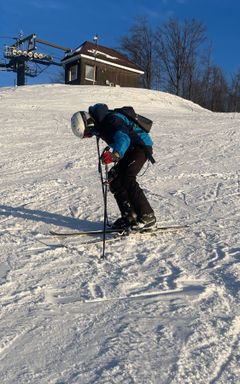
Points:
72	97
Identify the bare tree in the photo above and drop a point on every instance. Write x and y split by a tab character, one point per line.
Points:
210	88
217	89
177	46
234	94
139	48
175	57
202	81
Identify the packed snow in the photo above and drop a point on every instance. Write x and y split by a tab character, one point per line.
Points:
161	309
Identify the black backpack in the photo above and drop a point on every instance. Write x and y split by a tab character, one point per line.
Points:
143	122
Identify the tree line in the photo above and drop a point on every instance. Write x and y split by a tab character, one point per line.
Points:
176	57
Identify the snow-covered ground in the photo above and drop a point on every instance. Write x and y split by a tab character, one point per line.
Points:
162	309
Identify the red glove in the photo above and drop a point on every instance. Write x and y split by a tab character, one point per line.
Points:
109	157
106	157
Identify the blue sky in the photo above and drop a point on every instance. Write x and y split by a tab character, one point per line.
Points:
71	22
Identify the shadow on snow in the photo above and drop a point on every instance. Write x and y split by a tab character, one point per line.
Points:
47	217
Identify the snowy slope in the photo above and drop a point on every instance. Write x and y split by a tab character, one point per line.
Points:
161	309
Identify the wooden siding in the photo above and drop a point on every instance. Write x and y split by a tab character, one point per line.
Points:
106	74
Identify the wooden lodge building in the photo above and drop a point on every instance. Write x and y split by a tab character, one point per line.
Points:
95	64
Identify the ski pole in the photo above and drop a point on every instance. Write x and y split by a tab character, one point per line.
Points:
105	212
99	164
101	172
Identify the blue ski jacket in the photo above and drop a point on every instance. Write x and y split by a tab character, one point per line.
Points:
118	131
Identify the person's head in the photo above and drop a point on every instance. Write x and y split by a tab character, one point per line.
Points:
82	124
98	112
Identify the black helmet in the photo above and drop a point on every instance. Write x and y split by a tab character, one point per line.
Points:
98	112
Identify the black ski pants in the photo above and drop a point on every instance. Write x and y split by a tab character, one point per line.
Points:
129	196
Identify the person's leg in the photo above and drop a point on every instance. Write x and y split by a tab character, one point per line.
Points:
117	187
137	198
130	197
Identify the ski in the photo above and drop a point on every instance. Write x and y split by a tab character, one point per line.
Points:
120	232
87	233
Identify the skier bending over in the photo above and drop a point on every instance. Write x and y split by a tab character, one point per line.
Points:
131	147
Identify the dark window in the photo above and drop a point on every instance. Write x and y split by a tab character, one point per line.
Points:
90	72
73	73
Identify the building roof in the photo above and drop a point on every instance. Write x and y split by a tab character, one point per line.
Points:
102	54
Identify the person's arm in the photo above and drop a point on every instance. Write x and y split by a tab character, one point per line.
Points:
121	142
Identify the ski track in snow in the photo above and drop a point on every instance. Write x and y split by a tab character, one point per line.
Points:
161	309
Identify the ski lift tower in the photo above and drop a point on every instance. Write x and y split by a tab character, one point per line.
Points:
23	53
